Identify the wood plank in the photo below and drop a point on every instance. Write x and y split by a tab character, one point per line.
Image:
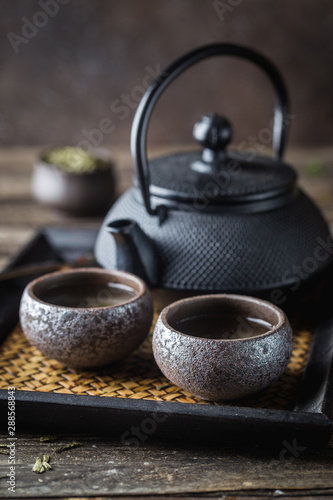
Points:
26	214
15	186
12	238
104	466
3	262
17	159
243	495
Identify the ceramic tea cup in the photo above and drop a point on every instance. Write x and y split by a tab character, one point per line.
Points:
86	317
222	347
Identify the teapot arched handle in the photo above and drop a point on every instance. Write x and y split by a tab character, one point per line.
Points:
148	102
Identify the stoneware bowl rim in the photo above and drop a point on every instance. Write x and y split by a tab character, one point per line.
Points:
89	271
282	318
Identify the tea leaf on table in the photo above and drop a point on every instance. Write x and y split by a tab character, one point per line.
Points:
3	477
40	480
45	463
41	465
73	444
48	439
38	466
4	450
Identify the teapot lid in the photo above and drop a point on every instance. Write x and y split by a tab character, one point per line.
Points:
216	176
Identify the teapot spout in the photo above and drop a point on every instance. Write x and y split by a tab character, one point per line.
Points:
136	252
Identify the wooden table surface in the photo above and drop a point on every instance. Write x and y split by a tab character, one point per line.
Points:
103	466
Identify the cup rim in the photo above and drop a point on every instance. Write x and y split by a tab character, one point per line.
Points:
89	271
282	318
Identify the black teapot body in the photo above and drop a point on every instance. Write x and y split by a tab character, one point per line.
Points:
213	220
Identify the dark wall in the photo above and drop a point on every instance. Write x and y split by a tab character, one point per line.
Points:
62	78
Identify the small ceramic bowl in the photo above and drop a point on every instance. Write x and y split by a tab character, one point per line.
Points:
86	317
217	369
75	193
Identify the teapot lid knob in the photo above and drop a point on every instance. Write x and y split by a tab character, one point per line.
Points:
213	132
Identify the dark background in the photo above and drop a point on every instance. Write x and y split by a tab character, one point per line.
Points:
66	77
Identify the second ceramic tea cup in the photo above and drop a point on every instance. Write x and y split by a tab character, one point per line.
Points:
222	347
86	317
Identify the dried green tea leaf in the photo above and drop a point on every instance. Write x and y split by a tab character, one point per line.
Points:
75	160
3	477
40	480
4	451
38	466
45	463
73	444
48	439
4	445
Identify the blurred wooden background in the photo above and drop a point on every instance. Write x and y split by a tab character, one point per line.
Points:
72	68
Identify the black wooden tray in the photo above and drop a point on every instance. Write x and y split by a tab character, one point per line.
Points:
308	423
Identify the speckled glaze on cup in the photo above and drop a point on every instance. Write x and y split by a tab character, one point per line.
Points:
86	337
222	369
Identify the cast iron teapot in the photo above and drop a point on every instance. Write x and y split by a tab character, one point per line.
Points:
212	219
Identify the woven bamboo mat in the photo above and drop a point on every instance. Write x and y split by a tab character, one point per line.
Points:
137	377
